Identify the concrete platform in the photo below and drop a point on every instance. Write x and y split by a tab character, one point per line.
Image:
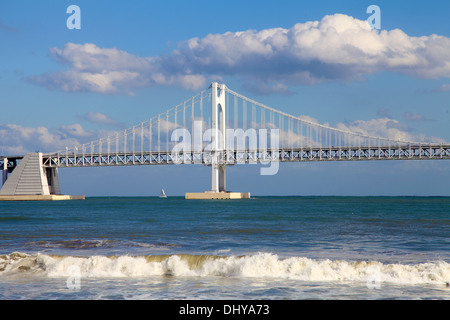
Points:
216	195
38	197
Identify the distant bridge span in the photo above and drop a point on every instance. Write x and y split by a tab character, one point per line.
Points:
217	127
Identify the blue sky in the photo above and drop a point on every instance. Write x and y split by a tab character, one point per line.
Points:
46	103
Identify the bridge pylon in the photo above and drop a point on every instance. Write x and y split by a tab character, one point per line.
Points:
218	134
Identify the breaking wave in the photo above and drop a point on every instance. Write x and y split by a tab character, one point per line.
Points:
78	244
258	265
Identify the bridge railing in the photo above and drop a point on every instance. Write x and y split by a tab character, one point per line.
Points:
236	156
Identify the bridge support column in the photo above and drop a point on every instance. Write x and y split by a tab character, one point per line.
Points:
4	170
218	167
218	178
222	178
218	137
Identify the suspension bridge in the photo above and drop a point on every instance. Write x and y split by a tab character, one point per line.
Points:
217	127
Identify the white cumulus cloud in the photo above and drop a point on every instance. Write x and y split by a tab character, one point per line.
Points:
338	47
100	118
386	128
17	139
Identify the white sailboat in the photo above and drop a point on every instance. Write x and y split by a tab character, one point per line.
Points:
163	194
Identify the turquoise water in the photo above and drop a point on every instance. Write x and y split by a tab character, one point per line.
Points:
259	248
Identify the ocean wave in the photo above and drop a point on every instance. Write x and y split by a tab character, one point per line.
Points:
265	265
81	244
73	244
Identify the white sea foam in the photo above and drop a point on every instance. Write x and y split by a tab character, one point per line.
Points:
264	265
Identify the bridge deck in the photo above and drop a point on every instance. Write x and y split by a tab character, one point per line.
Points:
362	153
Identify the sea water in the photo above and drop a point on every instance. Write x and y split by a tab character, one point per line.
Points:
259	248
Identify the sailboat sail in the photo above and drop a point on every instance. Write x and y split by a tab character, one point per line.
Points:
163	194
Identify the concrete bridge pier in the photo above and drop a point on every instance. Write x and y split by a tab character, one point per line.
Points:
30	180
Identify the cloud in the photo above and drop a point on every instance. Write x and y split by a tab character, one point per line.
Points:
109	71
100	118
443	88
336	48
74	130
415	117
383	113
71	80
17	140
8	28
263	88
386	128
308	118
